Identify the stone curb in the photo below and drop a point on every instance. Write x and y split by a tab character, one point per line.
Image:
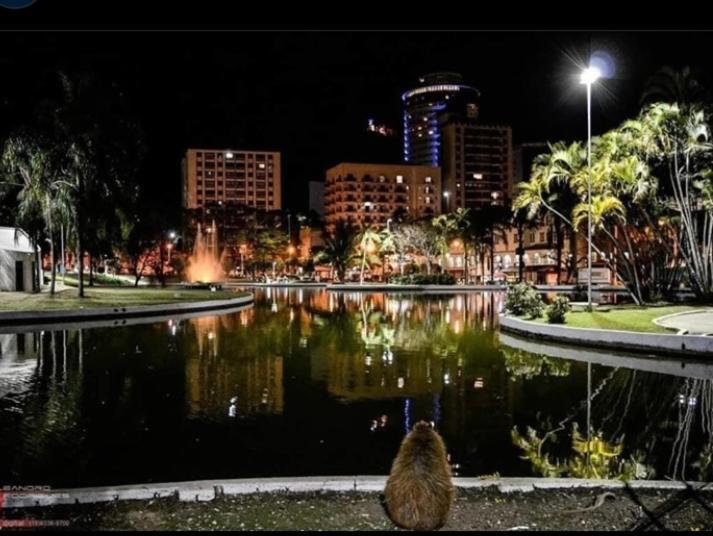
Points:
449	289
64	315
207	490
633	341
672	365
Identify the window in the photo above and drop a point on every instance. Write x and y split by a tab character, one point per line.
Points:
428	179
399	179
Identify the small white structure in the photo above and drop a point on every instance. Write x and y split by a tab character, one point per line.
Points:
17	261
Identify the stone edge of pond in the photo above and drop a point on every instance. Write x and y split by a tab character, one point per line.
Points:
208	490
64	315
372	287
634	341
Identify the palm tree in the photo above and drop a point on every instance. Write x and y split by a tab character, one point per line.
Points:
455	224
369	243
677	138
29	167
338	249
683	87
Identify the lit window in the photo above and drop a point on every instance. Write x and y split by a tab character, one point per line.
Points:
428	179
261	166
477	176
399	179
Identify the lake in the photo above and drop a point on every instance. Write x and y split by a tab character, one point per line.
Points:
313	382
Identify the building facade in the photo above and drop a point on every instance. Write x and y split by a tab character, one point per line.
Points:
477	164
371	194
437	94
232	177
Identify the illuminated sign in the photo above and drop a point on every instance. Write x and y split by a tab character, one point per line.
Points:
431	89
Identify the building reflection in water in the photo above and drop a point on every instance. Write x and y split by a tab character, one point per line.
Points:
226	374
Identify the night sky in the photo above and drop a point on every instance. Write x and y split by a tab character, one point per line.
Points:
309	94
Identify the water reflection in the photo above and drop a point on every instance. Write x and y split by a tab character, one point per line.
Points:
316	382
226	373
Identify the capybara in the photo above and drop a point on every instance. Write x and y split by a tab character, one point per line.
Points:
419	491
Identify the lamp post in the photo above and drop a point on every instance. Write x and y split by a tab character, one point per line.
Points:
588	77
447	196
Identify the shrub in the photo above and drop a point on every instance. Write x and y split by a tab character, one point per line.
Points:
523	299
556	311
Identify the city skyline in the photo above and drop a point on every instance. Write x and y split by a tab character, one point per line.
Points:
290	93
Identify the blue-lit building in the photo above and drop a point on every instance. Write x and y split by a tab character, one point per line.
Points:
437	94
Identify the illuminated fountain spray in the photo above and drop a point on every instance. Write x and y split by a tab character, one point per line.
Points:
204	264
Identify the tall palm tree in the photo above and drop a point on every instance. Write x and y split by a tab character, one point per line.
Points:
369	243
455	224
29	168
338	249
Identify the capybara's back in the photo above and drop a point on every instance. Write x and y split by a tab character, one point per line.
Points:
419	491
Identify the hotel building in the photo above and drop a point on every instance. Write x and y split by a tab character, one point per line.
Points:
477	163
370	194
436	94
232	177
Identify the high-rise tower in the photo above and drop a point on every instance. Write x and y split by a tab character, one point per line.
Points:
437	94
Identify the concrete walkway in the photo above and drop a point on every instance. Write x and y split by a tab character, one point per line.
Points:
693	322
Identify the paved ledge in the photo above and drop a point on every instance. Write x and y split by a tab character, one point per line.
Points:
207	490
79	315
276	285
385	287
651	343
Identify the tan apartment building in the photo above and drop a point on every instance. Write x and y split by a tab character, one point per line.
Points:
477	164
370	194
227	176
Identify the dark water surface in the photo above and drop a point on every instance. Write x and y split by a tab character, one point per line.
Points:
309	382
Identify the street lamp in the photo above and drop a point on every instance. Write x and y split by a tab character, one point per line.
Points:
447	196
589	75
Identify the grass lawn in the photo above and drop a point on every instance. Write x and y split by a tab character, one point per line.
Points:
628	318
66	298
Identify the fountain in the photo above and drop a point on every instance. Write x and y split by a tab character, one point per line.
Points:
204	266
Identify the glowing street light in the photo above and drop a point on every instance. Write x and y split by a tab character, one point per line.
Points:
447	196
589	75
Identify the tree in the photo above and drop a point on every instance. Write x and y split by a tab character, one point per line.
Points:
100	146
677	141
418	238
269	246
369	244
338	249
668	85
455	224
30	168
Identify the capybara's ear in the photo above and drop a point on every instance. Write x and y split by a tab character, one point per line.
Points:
421	426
